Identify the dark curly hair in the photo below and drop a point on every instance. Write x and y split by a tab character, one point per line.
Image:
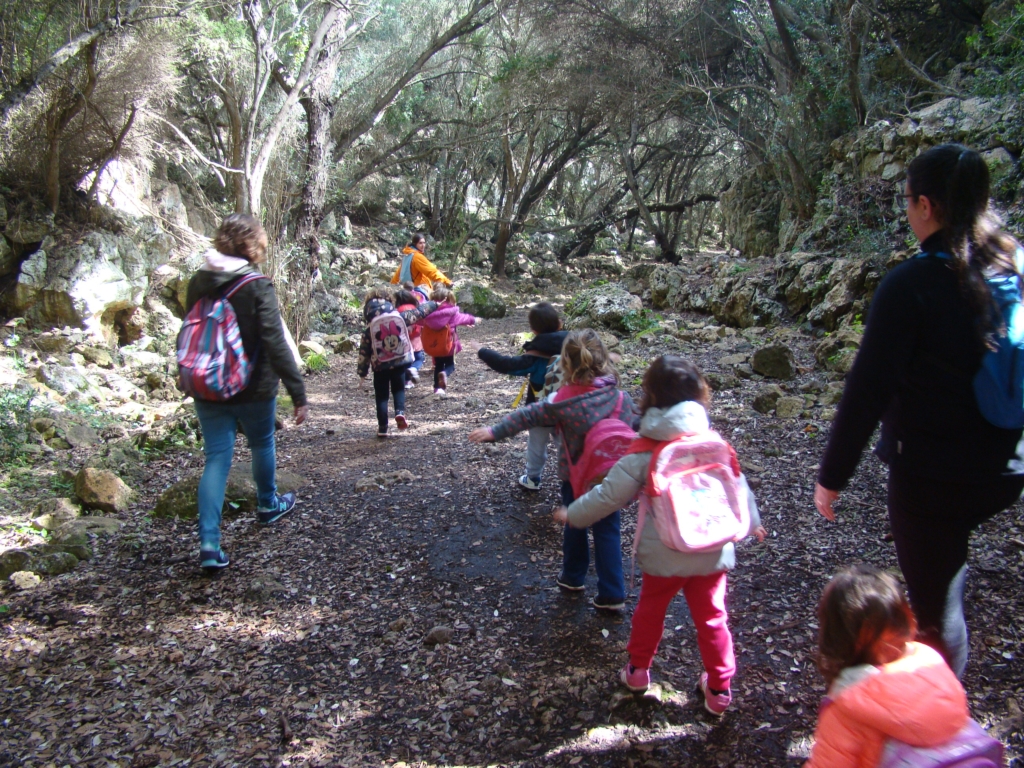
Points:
243	236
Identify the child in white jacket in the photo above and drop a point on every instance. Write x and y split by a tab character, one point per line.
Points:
674	403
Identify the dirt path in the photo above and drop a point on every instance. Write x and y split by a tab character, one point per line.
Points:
310	649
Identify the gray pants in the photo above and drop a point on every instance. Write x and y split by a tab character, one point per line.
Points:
537	450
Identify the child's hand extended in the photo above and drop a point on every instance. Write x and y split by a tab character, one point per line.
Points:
560	515
760	532
481	435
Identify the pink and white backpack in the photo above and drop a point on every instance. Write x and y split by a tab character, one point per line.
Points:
606	442
212	363
694	493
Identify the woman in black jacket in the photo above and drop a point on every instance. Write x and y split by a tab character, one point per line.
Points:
930	324
240	244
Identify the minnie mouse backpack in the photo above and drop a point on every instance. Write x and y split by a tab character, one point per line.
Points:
389	340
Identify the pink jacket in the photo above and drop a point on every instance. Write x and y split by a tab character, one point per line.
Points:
915	699
450	315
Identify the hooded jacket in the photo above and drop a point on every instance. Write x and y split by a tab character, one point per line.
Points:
376	307
914	372
574	417
915	699
628	477
533	364
259	325
419	268
449	315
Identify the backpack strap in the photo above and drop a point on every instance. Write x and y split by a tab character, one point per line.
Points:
243	281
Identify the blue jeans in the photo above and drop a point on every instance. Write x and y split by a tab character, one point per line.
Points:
393	380
611	585
537	450
220	422
444	365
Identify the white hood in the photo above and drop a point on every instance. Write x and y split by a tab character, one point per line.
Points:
669	423
220	262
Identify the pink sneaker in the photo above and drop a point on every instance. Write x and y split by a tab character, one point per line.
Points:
715	703
637	680
401	421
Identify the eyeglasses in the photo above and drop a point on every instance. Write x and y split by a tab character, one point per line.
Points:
901	201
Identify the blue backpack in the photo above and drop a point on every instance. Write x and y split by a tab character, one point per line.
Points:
999	383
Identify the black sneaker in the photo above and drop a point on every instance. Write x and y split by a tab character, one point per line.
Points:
560	581
604	604
285	503
213	559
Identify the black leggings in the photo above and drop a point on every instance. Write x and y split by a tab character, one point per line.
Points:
394	380
932	522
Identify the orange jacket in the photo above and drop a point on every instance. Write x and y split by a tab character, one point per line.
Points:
915	699
423	270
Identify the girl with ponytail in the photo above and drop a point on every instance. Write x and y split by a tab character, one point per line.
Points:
589	393
931	322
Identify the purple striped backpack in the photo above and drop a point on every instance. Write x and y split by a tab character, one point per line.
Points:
212	364
970	748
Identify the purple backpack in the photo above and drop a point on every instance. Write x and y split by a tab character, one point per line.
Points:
212	364
970	748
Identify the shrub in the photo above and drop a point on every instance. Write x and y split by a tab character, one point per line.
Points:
316	363
15	415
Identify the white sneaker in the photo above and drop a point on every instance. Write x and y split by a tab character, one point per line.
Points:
529	483
440	393
415	373
410	385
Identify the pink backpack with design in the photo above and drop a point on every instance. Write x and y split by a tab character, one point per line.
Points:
212	364
390	342
694	493
970	748
606	442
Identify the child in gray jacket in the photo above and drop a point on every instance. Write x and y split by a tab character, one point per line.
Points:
674	404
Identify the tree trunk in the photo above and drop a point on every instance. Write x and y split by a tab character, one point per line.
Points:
501	248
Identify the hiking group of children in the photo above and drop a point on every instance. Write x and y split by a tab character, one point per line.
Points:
891	701
403	327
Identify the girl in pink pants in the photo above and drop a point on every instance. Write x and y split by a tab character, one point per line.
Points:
674	403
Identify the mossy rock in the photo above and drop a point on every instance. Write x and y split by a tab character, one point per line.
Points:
181	500
53	564
12	561
481	301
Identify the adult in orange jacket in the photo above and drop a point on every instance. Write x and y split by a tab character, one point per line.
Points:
416	267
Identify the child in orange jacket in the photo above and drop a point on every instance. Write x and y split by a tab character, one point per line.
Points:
882	685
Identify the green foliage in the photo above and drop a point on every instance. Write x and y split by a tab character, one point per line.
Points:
738	269
999	50
15	415
577	306
640	321
316	363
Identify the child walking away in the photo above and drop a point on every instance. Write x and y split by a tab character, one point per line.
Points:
708	509
404	301
546	343
387	348
891	702
588	396
441	337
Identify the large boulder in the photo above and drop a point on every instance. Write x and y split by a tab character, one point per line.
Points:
102	489
85	282
481	301
775	361
608	306
181	499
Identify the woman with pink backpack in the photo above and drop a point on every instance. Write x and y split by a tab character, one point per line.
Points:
698	503
588	397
